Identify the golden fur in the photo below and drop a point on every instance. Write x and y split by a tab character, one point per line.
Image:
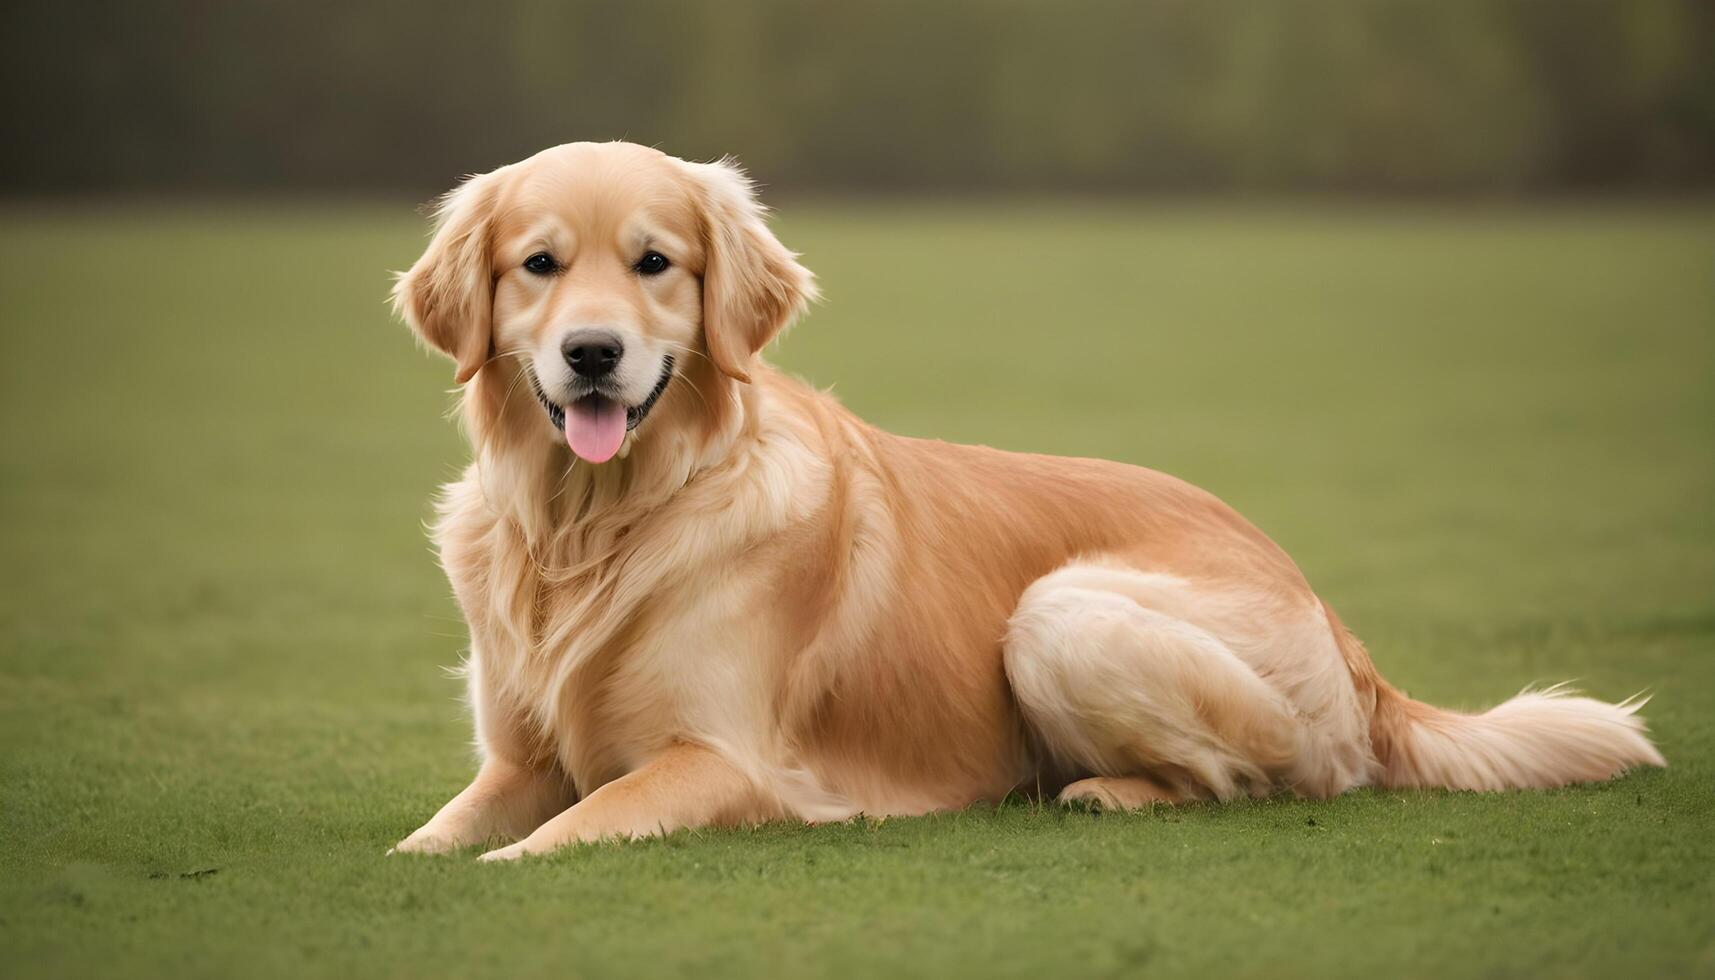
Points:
765	608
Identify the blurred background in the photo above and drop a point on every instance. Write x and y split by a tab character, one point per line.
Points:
948	96
1424	288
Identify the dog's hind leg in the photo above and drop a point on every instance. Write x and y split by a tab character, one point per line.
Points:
1152	706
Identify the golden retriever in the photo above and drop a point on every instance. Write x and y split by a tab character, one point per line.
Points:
700	592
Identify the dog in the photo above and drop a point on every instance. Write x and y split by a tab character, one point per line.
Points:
700	592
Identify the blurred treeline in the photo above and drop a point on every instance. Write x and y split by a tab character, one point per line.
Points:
1414	96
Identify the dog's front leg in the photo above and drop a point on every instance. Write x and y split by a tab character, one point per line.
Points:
517	787
504	800
684	786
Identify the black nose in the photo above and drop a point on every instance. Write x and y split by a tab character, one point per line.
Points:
592	353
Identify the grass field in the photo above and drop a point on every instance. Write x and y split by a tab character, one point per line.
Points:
1488	435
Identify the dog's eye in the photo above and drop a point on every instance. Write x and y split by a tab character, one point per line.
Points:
652	264
541	264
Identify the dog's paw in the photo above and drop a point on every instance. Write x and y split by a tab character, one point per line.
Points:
510	852
1115	793
424	841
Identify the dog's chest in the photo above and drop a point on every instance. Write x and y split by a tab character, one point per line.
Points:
602	682
698	670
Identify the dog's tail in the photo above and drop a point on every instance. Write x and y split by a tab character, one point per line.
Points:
1536	740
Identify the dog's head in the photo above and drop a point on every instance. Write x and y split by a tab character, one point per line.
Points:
602	267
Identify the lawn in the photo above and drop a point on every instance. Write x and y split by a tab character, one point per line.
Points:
1487	434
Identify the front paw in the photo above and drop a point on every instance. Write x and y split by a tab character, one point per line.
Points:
425	840
510	852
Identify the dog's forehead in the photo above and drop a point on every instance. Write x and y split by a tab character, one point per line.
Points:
606	191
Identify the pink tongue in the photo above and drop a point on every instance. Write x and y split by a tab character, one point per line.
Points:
595	426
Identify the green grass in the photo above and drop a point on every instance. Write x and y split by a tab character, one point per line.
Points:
1486	434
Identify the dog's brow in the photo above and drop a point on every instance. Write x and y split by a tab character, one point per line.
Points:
645	230
546	233
650	238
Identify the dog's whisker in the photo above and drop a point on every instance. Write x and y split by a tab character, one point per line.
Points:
524	371
696	390
498	355
692	351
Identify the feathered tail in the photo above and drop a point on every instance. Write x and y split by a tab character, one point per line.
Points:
1536	740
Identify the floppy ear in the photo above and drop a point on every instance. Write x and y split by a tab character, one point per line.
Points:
448	296
753	287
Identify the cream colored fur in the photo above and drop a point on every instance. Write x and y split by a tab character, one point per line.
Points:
764	608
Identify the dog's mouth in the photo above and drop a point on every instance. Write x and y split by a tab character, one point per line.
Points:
595	423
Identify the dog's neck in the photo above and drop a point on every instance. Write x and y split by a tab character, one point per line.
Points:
531	478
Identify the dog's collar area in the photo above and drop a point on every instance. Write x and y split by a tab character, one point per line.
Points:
634	414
